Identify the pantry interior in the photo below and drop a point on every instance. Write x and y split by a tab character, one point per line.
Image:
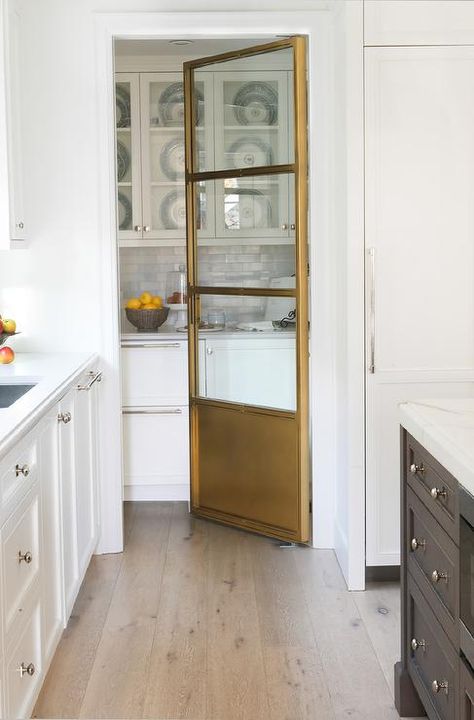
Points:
249	348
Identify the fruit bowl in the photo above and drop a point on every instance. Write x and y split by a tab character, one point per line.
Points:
147	319
4	337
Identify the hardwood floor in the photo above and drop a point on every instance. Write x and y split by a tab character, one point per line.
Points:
200	621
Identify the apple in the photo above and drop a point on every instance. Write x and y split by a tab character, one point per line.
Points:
1	326
9	326
6	355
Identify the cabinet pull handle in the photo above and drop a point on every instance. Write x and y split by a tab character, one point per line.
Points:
415	644
437	493
437	576
152	345
436	686
417	543
65	417
25	557
415	469
26	669
153	411
372	310
94	377
22	470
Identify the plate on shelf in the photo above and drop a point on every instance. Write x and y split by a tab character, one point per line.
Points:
256	103
123	161
124	212
122	106
173	210
248	210
172	159
250	152
171	105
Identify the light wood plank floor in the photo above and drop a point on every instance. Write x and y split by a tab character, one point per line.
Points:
204	622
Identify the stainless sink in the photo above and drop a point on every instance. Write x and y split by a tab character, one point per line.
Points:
11	393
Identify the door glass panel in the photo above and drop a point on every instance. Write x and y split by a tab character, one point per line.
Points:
250	353
252	111
254	229
123	118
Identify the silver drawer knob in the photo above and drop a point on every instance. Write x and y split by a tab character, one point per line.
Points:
25	557
415	644
26	669
65	417
417	543
292	226
437	493
22	470
138	228
284	226
146	228
209	350
437	686
414	468
437	576
20	225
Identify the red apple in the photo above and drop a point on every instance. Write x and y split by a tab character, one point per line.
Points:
6	355
9	326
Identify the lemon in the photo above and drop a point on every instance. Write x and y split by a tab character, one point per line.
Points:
145	298
148	306
157	301
133	304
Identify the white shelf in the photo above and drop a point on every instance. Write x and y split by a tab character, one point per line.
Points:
124	129
254	128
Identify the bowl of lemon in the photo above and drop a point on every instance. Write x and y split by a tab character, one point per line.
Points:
146	312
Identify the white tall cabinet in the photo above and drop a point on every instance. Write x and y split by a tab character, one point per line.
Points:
419	113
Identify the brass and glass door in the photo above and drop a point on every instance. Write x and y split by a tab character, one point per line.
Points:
249	388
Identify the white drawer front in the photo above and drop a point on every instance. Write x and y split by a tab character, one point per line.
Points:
20	556
156	446
17	472
155	375
23	668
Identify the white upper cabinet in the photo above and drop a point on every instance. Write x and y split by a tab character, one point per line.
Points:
418	22
12	219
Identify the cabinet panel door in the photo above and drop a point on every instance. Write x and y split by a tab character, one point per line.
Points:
466	691
22	687
68	503
155	374
127	116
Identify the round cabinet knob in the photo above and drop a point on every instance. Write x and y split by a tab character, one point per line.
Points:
65	417
417	543
437	493
26	669
414	468
437	576
284	226
292	226
437	686
209	350
146	228
138	228
25	557
415	644
22	470
20	225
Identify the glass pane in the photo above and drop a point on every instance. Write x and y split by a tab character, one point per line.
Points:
254	230
125	154
250	356
252	109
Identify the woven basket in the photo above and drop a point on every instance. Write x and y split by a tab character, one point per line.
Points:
147	319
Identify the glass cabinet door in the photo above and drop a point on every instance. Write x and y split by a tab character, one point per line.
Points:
127	118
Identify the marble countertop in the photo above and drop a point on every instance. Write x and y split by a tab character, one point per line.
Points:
446	429
53	373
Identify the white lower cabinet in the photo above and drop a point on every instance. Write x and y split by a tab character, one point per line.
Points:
48	532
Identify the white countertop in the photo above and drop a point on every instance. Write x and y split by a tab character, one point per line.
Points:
53	373
446	429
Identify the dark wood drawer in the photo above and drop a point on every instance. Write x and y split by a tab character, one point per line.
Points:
435	487
433	560
466	691
432	661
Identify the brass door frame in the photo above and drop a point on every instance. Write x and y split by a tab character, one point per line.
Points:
299	169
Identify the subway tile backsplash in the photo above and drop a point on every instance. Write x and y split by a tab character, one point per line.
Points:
250	265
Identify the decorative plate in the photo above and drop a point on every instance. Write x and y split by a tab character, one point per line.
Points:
171	105
123	160
122	105
173	210
172	159
124	212
250	210
250	152
256	103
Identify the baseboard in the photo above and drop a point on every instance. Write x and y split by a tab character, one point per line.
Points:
379	573
341	550
156	493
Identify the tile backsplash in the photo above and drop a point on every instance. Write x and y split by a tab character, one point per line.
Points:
248	265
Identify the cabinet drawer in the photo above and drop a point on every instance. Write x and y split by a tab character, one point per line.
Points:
155	375
17	472
434	486
432	661
156	446
23	667
20	556
433	560
466	691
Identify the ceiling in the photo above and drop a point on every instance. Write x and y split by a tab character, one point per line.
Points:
199	47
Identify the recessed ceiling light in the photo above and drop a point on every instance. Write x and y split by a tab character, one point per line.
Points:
181	42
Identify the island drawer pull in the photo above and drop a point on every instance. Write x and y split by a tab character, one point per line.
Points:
154	411
25	557
94	377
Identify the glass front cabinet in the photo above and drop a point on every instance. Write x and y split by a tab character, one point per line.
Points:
243	120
